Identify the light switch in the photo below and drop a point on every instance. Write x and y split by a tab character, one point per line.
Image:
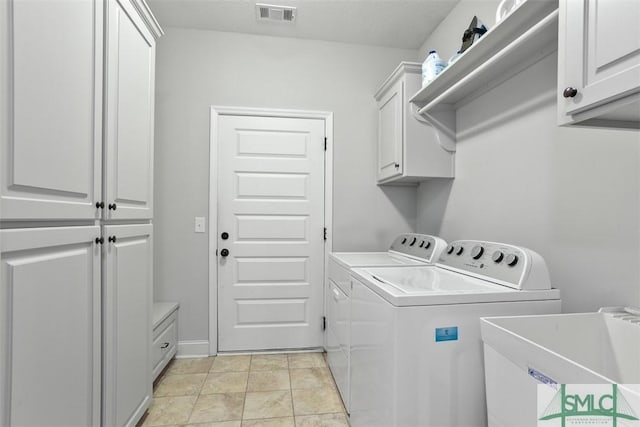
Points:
200	224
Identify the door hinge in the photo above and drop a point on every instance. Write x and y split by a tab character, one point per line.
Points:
325	233
324	323
325	143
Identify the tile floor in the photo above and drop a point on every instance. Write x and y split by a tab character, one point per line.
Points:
270	390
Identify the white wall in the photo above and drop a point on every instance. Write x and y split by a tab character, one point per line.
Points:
572	194
197	69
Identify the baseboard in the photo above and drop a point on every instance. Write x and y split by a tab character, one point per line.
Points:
198	348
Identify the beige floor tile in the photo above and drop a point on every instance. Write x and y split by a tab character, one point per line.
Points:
231	363
306	360
235	423
269	380
310	378
217	407
166	411
316	401
267	404
179	385
200	365
325	420
225	382
271	422
269	362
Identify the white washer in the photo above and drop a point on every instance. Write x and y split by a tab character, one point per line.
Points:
416	352
406	250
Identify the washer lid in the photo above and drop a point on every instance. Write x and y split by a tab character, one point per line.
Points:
431	285
373	259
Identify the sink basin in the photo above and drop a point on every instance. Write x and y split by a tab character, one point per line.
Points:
524	351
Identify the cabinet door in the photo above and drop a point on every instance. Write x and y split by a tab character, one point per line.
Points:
50	109
390	109
127	306
130	63
600	52
50	321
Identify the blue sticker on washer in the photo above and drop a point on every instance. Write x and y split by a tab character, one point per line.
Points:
447	334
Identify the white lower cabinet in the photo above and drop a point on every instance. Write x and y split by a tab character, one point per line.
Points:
127	312
50	327
165	335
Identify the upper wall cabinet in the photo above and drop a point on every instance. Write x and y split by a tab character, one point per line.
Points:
52	119
50	109
599	63
128	162
408	148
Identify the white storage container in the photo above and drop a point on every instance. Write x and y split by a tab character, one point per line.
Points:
524	351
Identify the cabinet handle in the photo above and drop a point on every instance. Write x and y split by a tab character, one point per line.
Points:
99	240
99	205
570	92
165	345
112	206
397	165
112	239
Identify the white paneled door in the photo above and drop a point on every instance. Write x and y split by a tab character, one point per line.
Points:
50	327
127	296
130	70
270	232
50	109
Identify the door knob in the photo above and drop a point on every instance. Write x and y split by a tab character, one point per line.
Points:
397	165
224	252
99	205
224	235
112	239
112	206
99	240
570	92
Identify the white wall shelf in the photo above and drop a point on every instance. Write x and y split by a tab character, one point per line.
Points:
524	37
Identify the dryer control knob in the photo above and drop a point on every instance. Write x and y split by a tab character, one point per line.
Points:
450	249
511	260
404	240
477	252
497	256
459	250
413	242
427	244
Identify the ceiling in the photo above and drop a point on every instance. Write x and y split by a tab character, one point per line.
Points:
392	23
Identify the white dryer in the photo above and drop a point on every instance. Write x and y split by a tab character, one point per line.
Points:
406	250
416	351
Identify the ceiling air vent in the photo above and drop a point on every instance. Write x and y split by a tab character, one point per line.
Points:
269	12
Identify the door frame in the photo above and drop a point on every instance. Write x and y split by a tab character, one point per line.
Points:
216	112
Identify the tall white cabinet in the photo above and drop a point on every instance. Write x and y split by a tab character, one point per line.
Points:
76	185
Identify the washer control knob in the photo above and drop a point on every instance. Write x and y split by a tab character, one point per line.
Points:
404	240
497	256
477	252
459	250
511	260
427	244
413	242
422	244
450	249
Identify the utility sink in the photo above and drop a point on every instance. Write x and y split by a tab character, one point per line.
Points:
524	351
